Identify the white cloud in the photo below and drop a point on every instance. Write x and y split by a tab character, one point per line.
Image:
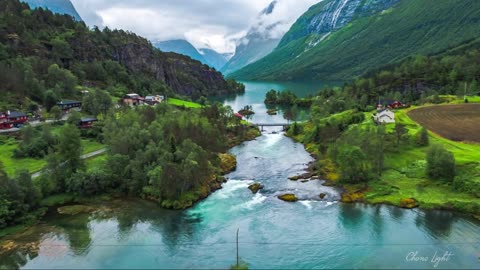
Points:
205	23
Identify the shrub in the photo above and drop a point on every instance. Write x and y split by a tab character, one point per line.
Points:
422	138
440	163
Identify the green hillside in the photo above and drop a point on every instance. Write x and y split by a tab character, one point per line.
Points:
407	28
45	57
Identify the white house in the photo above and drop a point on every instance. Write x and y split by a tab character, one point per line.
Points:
152	100
384	116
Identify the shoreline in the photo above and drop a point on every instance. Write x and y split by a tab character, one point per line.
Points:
351	193
213	185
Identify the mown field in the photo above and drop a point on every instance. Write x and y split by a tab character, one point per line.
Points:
459	122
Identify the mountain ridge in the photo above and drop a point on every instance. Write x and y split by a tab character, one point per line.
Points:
56	6
370	40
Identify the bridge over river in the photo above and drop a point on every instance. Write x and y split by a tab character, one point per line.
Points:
262	125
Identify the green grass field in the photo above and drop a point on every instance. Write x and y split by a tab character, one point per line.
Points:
179	102
405	173
11	165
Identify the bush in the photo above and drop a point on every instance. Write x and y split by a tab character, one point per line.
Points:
440	163
422	138
353	164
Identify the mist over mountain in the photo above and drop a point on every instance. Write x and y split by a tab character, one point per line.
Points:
266	32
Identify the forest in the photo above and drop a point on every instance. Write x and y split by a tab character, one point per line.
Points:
166	154
46	57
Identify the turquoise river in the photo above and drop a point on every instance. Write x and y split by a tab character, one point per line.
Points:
273	234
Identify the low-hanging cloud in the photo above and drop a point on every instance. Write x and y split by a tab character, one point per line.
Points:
216	24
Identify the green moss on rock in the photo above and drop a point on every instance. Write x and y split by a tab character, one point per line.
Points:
288	197
408	203
255	187
228	162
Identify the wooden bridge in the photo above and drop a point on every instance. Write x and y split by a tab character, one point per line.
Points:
262	125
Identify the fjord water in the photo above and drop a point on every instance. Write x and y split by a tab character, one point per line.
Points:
272	234
255	95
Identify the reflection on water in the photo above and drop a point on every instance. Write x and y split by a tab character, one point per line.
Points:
273	234
438	223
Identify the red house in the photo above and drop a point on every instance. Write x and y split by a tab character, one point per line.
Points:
12	119
87	122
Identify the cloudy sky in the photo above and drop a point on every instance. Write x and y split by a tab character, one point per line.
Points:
205	23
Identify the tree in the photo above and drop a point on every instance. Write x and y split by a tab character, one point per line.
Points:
295	129
400	131
440	163
422	137
353	164
74	118
69	150
50	100
271	97
56	112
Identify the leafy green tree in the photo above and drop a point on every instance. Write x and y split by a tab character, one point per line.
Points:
56	112
440	163
69	150
400	132
353	164
50	100
74	118
62	79
422	138
61	49
271	97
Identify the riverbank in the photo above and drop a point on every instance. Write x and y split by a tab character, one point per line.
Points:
403	182
226	164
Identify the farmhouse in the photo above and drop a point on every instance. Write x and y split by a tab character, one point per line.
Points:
384	116
67	105
392	104
87	122
154	100
12	119
133	99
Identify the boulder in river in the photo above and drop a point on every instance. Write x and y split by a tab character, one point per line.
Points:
322	196
288	197
255	187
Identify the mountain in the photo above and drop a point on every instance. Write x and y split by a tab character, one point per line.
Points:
255	45
213	58
56	6
180	46
206	56
341	39
66	56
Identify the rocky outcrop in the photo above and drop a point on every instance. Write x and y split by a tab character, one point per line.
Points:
228	162
408	203
255	188
332	15
182	74
288	197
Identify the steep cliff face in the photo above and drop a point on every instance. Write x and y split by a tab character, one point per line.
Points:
341	39
56	6
333	15
182	74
